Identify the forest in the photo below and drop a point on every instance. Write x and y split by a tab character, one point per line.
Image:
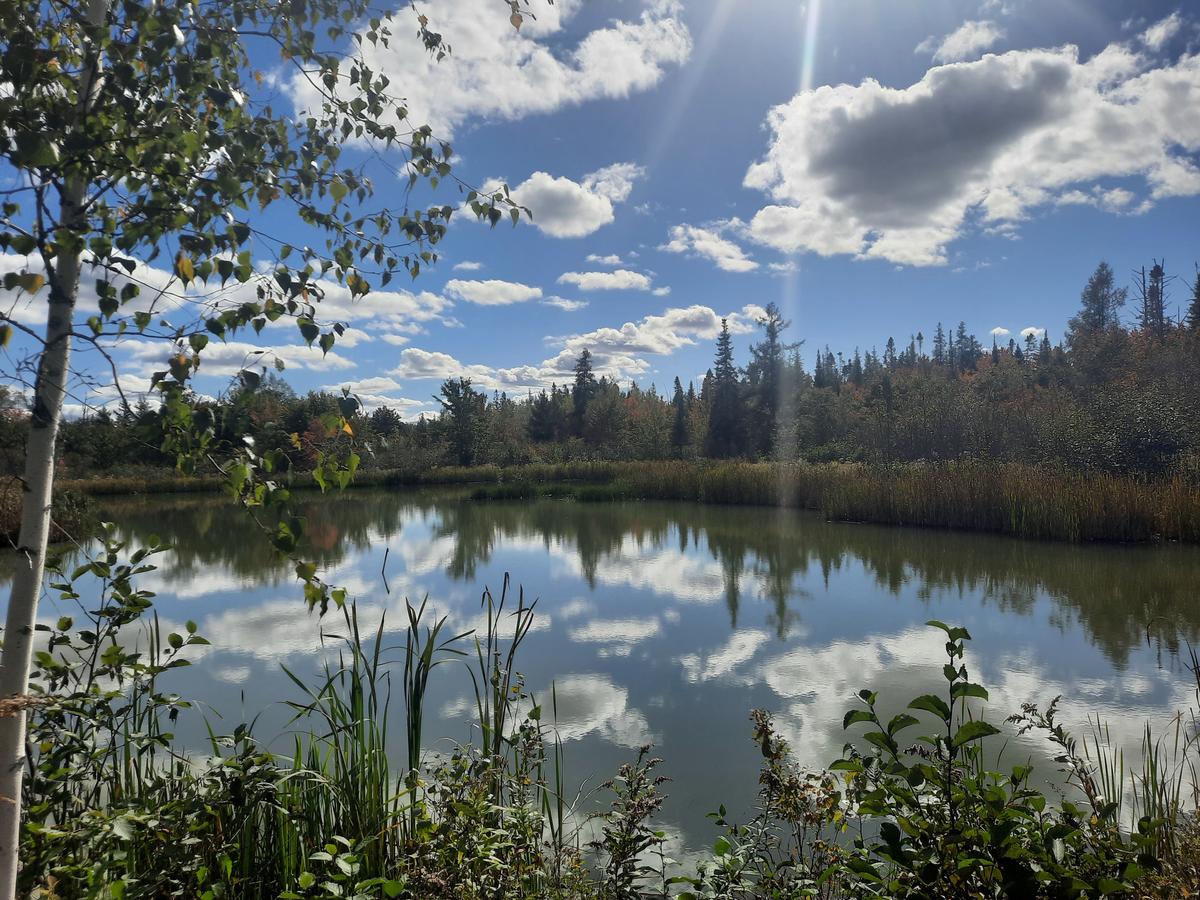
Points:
1115	395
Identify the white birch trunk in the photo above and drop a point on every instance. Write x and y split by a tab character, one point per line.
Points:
49	392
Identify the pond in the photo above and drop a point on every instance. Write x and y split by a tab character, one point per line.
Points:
666	623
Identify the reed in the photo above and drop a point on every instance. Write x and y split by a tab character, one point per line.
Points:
1028	501
1003	498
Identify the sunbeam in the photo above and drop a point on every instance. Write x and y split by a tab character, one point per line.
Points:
691	76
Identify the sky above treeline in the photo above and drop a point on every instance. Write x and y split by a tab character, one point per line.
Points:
871	166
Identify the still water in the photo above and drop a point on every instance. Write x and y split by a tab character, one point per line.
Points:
665	623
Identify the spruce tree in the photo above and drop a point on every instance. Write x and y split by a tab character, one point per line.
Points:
1100	306
1153	288
679	429
765	375
725	418
584	389
939	345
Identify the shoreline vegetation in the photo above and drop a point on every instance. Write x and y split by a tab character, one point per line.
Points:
1025	501
921	803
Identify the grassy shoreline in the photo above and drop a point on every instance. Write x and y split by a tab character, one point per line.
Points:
1019	500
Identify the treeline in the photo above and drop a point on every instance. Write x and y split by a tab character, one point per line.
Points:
1116	394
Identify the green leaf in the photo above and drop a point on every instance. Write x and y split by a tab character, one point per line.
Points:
932	703
722	846
900	722
953	633
855	716
967	689
973	731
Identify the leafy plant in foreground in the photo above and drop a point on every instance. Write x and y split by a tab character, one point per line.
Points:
938	824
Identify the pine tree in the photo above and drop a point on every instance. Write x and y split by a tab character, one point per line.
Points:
725	418
939	345
679	429
1100	309
889	354
1153	288
463	407
856	369
765	375
541	418
584	389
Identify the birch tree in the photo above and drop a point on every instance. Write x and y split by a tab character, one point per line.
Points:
133	132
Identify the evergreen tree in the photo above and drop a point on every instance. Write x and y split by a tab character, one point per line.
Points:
584	389
889	354
1100	308
463	407
1153	288
856	369
765	375
1193	314
384	421
725	417
541	418
939	345
679	428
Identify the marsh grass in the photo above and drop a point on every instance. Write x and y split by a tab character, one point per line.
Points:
1012	499
1028	501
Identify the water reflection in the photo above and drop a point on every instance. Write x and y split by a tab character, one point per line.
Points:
668	622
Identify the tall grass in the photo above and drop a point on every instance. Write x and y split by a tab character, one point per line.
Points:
1163	784
1004	498
1038	502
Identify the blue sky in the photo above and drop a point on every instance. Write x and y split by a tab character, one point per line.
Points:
872	167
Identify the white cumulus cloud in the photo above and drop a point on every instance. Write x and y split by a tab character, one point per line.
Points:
492	292
1157	35
618	353
564	304
563	208
899	173
964	42
619	280
709	243
497	72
